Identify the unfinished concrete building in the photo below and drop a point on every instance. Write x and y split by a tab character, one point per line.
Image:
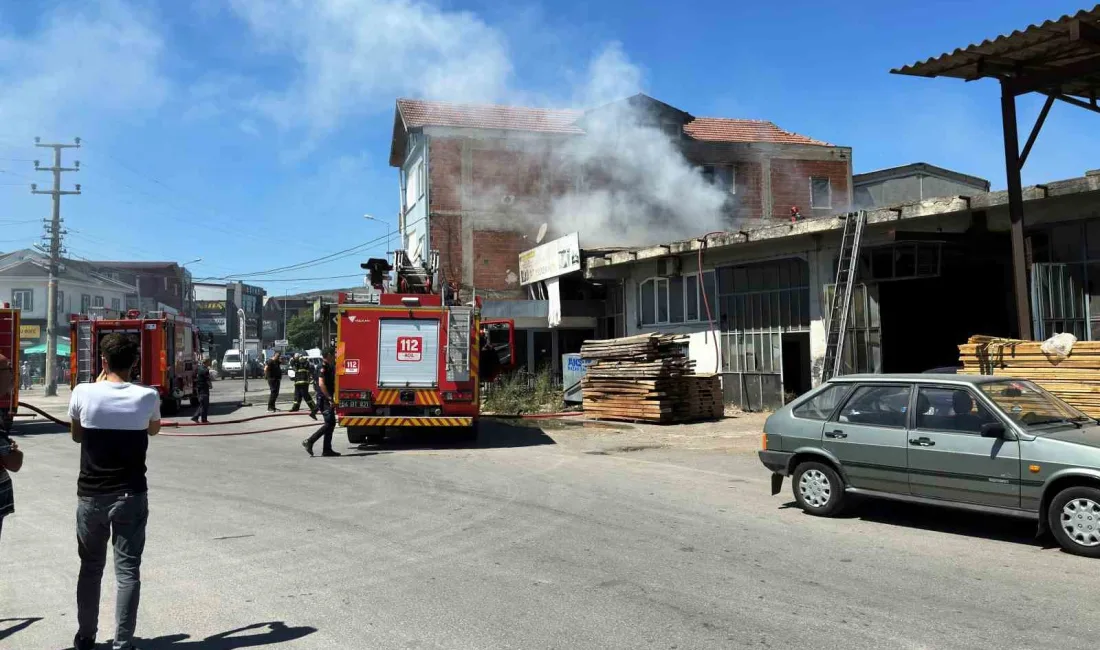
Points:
478	181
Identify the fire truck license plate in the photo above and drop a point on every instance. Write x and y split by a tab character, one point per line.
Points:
410	348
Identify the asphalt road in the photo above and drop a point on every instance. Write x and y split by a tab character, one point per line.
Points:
529	540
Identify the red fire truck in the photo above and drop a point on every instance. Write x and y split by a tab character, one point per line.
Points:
412	358
169	352
9	347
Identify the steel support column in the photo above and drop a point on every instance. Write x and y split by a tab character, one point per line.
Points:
1015	211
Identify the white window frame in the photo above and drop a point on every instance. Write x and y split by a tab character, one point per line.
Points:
829	184
732	189
98	301
656	280
700	310
85	303
116	304
25	300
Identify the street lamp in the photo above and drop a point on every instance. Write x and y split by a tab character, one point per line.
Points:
385	223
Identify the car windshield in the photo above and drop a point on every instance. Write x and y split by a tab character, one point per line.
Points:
232	358
1030	405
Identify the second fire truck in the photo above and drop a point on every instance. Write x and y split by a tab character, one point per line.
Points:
413	358
168	358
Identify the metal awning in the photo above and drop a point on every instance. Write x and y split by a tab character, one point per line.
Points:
1059	57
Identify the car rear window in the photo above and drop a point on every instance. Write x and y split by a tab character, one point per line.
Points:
233	358
821	406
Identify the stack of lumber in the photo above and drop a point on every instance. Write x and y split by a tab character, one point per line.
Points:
1075	379
647	378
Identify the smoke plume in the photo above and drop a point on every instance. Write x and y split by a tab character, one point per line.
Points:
631	184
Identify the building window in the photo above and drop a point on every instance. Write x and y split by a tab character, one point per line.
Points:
672	129
97	301
22	299
821	193
85	303
651	293
116	304
721	177
676	300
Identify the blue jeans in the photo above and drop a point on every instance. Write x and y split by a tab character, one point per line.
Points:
124	515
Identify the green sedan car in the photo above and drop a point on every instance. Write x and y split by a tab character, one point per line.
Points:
987	444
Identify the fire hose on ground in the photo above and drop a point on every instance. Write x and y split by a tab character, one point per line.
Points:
175	424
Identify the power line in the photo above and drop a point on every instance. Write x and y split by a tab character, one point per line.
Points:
347	252
327	277
190	212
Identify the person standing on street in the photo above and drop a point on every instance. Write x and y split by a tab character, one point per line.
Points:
326	384
112	420
202	387
303	377
273	372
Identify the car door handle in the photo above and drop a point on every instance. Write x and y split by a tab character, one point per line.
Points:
836	434
922	442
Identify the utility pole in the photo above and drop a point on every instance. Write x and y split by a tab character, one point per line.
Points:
54	234
286	292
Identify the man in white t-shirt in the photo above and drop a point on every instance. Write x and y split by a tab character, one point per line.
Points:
112	420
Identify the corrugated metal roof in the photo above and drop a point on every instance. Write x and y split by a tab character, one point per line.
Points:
720	129
1036	49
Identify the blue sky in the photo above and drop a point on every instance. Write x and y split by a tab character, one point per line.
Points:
255	133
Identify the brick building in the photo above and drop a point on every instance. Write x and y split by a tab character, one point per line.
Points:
478	180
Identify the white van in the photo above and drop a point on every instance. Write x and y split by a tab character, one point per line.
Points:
231	364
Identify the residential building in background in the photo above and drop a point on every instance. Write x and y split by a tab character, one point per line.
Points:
24	282
912	183
158	284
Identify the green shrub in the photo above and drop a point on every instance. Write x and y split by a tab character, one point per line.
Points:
522	393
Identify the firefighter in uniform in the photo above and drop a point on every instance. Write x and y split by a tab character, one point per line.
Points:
326	383
303	377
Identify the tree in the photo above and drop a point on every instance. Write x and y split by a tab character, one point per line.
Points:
302	332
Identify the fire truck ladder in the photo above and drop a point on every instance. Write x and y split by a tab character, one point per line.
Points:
85	369
848	263
417	279
458	343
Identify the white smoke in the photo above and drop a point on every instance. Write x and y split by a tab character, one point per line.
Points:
353	57
635	185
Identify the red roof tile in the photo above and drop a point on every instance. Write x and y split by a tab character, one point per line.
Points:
418	113
720	129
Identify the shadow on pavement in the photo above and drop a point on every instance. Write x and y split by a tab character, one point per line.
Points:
944	520
9	626
276	632
493	434
37	427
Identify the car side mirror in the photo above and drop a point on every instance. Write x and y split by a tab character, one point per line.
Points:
993	430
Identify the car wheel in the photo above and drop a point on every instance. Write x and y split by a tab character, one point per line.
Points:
1074	517
818	489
